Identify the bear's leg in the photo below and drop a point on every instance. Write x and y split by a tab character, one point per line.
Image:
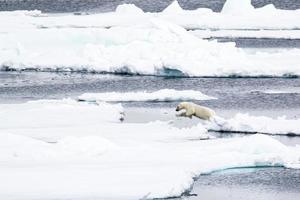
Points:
181	114
189	113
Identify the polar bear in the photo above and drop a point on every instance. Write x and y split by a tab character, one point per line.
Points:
192	109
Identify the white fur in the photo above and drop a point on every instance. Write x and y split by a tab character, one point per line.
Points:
192	109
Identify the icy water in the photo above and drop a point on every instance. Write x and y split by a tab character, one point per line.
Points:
246	94
262	42
146	5
248	183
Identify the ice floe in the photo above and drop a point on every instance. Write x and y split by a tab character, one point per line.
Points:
155	96
150	44
267	17
245	123
68	149
236	14
46	113
154	48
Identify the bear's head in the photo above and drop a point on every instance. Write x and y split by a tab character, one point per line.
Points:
182	105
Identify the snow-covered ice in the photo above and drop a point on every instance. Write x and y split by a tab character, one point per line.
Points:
236	14
151	44
157	96
157	48
253	124
54	149
267	17
46	113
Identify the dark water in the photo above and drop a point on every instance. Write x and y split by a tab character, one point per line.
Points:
110	5
249	184
232	93
262	42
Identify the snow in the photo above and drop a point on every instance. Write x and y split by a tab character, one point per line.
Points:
156	96
252	124
45	113
69	149
237	7
267	17
150	44
236	14
22	148
154	48
23	13
173	9
129	9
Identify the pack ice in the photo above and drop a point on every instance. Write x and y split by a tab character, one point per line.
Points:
58	149
154	96
150	44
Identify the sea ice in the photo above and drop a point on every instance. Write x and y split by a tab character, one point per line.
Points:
253	124
154	48
68	149
150	44
157	96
